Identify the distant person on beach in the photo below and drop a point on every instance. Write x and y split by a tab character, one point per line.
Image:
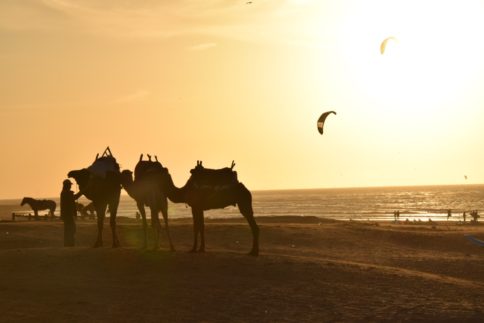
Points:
464	215
475	215
68	212
449	214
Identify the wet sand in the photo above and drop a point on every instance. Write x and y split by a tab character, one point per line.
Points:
309	270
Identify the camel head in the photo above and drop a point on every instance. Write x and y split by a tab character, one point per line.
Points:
126	176
81	176
25	200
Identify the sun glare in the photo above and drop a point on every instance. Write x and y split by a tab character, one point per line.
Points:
433	58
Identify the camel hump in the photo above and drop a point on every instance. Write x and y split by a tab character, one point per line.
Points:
147	168
104	165
214	177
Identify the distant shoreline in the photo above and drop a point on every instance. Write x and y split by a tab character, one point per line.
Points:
419	203
265	219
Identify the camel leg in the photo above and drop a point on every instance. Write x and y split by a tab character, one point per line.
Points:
141	209
155	224
100	210
164	212
245	208
113	208
249	216
201	230
196	220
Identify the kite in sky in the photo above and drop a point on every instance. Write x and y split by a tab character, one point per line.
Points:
384	43
322	119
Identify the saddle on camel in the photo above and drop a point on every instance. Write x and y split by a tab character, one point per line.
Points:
147	168
104	166
213	179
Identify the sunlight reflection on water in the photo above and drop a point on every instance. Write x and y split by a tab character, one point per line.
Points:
414	203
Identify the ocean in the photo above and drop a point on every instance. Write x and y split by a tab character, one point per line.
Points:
376	203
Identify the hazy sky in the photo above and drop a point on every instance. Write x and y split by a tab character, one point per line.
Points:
220	80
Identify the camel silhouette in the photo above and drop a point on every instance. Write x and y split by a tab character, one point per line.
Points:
39	205
146	189
100	183
208	189
86	211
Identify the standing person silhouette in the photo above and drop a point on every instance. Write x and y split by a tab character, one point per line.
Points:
68	212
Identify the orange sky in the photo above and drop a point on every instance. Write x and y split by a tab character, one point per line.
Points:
221	80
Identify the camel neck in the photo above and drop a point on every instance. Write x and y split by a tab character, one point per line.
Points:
129	188
175	194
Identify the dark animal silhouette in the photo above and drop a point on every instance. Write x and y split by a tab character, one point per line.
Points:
101	184
86	211
39	205
208	189
79	207
146	189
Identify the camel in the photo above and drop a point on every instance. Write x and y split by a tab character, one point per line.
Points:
39	205
146	189
101	184
208	189
86	211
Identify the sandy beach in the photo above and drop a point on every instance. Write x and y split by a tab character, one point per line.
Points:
309	270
